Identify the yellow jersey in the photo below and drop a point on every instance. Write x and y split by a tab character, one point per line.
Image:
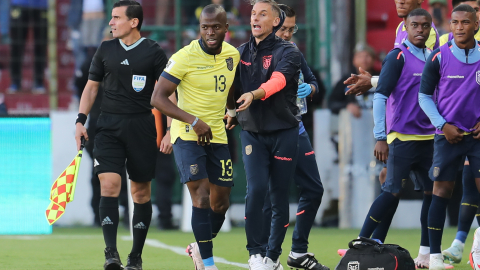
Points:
204	81
446	37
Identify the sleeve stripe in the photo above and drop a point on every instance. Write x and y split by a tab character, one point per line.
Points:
435	56
399	54
170	77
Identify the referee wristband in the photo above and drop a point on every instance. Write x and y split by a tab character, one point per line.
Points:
194	122
81	118
231	113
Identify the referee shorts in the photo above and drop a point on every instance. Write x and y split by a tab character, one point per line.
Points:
126	137
197	162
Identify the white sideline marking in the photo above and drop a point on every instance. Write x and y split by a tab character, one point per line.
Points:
181	251
42	237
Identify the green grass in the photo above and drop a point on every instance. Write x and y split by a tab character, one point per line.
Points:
82	248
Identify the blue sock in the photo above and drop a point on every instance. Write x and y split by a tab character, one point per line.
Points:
208	261
202	229
436	221
217	221
381	231
376	213
427	201
461	236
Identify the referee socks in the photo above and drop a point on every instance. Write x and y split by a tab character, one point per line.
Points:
109	217
142	215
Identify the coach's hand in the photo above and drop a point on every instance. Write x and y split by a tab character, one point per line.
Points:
80	131
476	131
381	151
165	144
452	133
245	100
204	133
231	122
358	84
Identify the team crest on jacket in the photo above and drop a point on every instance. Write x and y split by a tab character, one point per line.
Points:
267	60
138	82
478	77
229	63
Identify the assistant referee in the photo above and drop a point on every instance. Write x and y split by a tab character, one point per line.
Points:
128	65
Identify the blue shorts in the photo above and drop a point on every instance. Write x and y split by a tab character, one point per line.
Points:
197	162
406	158
447	158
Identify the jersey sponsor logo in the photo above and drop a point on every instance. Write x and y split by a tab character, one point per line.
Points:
169	65
138	82
229	63
245	63
417	74
455	77
125	62
267	60
283	158
194	169
248	149
477	77
205	67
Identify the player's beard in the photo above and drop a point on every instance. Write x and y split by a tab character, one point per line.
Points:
210	49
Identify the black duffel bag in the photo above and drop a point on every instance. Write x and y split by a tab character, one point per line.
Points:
367	254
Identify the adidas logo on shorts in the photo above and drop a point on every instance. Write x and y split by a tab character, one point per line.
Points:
125	62
107	221
95	163
140	226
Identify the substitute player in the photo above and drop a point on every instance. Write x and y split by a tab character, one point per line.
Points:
128	65
403	132
452	72
268	81
202	73
307	177
361	83
470	196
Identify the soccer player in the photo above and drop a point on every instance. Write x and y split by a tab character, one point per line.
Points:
361	83
470	196
403	132
307	177
202	73
451	72
128	65
267	78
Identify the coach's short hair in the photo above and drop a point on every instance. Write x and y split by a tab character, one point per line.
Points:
289	12
419	12
275	8
134	10
466	8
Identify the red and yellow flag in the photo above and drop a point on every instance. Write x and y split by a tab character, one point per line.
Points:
63	190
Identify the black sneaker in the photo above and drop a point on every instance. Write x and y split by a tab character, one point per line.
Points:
307	261
134	262
112	260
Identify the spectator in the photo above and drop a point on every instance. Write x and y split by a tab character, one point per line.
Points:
74	19
26	13
93	23
439	9
364	57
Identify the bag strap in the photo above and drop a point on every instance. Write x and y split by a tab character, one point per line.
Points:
366	240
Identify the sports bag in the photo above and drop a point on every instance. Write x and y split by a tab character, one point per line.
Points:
367	254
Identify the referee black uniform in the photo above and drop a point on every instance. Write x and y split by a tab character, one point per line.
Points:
126	126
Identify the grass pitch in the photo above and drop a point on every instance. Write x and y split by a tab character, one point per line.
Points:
82	248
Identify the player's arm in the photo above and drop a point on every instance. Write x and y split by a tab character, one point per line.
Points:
310	85
285	70
388	79
166	144
231	115
165	87
89	95
430	79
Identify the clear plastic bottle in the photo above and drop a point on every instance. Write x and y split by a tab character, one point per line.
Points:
301	102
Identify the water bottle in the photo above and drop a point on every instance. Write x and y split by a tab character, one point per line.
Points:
301	102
